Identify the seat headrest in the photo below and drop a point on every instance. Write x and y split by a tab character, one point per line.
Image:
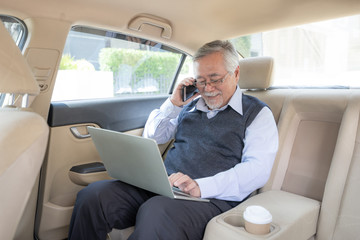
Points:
256	73
16	76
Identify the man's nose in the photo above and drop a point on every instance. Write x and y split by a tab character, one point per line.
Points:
209	88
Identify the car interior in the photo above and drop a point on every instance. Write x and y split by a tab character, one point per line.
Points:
68	65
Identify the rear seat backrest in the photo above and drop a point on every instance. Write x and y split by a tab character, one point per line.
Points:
308	123
308	127
308	130
340	211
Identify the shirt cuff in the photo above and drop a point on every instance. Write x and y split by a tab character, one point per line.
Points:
207	187
169	109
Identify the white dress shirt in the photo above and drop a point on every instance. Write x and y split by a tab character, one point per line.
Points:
260	147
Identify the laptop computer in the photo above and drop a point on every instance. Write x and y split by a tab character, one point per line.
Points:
135	160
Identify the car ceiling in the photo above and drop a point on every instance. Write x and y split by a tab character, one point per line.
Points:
193	22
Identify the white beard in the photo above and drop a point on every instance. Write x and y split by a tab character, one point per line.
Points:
213	104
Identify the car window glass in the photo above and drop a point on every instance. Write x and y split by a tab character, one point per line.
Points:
16	28
18	32
319	54
101	64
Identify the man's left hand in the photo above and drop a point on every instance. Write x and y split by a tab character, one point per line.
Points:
185	184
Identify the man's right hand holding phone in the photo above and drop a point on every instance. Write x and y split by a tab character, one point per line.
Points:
177	98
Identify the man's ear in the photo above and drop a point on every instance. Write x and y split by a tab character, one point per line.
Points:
237	73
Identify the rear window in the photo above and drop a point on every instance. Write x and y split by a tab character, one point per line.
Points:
317	55
102	64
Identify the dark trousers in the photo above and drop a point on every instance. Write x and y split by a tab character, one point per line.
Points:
109	204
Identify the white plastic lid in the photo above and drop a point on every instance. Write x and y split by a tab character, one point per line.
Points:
257	215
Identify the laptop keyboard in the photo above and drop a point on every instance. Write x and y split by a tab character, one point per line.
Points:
179	192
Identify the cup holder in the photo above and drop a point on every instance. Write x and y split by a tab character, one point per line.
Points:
235	220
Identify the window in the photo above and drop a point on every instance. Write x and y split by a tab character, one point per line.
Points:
319	54
100	64
18	32
16	28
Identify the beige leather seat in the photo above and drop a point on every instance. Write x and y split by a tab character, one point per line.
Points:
23	142
308	123
289	210
317	164
340	210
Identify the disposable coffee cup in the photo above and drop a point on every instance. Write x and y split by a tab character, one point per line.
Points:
257	220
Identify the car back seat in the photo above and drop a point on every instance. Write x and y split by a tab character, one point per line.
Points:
308	122
340	210
312	123
23	141
308	130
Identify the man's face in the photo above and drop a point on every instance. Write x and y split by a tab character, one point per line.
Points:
210	69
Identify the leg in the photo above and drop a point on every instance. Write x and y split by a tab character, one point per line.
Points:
104	205
164	218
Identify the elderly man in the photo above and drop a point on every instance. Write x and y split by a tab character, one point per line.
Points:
224	149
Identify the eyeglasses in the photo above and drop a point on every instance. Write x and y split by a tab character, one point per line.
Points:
212	82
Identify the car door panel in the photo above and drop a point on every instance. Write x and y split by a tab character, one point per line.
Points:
114	113
66	150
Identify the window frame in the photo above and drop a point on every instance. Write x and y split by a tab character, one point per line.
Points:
122	36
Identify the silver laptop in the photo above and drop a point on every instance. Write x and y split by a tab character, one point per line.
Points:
136	161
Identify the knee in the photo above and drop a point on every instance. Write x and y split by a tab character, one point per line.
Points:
158	218
158	207
90	195
154	203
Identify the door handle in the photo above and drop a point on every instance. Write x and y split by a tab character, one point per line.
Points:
81	132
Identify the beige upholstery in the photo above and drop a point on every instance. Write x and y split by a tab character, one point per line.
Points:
22	147
256	73
308	123
308	129
316	164
318	160
117	234
294	217
318	130
14	70
23	141
256	76
339	217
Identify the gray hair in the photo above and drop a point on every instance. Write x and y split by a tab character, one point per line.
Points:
231	57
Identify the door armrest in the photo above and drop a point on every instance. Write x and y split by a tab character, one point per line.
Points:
85	174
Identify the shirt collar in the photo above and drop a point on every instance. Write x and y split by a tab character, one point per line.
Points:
235	103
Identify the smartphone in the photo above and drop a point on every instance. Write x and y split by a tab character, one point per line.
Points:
188	92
